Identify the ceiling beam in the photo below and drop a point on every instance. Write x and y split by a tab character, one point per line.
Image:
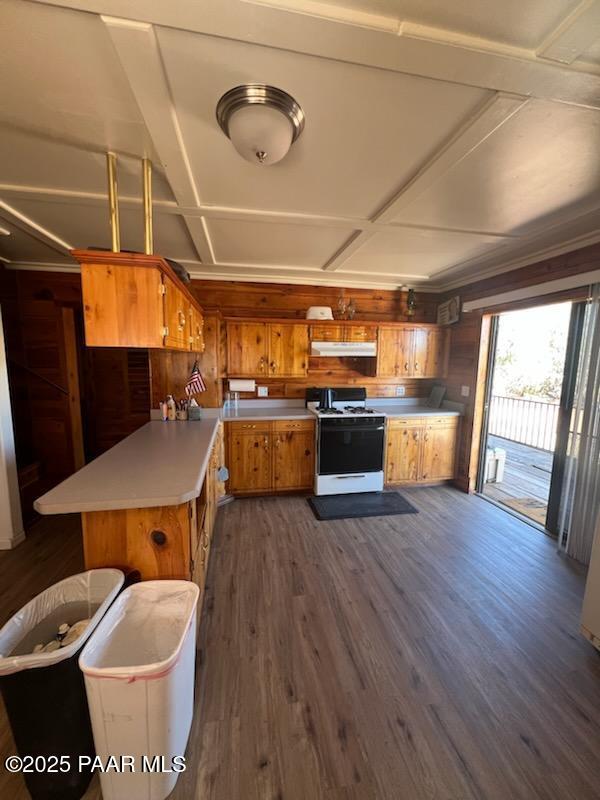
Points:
168	207
408	49
575	34
486	121
354	243
138	51
34	229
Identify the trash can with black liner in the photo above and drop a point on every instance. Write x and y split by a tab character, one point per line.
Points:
44	692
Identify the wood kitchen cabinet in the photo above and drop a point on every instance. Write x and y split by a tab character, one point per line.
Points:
439	450
195	330
249	457
403	456
266	457
135	300
176	317
421	449
265	348
293	454
288	350
247	348
418	351
325	332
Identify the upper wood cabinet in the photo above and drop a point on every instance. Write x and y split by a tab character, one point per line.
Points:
340	332
412	351
267	348
247	349
288	350
135	300
122	306
177	324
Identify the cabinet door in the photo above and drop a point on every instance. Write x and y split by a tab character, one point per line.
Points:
429	353
196	330
395	352
439	451
176	316
247	348
249	462
403	457
123	306
288	350
294	459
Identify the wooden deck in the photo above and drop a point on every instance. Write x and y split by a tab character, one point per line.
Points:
430	655
526	478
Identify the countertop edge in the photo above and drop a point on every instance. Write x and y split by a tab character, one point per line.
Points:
120	505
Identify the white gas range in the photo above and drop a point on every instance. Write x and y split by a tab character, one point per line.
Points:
350	441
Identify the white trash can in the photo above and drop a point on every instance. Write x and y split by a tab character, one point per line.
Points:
139	678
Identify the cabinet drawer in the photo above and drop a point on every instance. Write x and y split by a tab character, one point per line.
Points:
256	426
445	422
326	333
361	333
293	425
405	422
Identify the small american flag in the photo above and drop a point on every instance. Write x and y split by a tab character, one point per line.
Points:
195	382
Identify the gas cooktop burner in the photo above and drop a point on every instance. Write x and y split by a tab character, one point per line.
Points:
346	411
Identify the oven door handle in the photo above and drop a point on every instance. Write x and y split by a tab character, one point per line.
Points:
352	428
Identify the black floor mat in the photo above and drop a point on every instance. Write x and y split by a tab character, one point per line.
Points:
362	504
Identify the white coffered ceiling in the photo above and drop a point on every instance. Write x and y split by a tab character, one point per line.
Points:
443	141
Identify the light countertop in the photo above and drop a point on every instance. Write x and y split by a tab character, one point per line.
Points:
266	413
393	411
161	464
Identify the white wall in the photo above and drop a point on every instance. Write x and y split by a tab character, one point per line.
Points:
11	521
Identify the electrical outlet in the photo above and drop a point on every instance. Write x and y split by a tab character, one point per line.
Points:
262	391
400	391
465	391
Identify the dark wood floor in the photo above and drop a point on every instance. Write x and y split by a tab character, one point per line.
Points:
434	655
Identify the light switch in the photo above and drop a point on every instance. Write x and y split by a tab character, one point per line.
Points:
262	391
465	391
400	391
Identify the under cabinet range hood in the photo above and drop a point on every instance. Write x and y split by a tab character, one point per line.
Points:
353	349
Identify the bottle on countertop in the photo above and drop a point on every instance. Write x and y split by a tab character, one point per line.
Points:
164	410
171	408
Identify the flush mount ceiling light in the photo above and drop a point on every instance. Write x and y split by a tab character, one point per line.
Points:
261	121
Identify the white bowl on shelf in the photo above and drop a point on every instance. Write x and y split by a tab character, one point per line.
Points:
319	312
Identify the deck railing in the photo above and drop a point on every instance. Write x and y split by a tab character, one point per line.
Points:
532	422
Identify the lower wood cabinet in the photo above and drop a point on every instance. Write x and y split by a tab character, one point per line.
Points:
273	456
421	449
160	542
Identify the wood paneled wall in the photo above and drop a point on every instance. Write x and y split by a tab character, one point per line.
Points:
237	299
40	310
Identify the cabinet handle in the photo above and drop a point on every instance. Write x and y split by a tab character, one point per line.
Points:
277	442
248	426
266	444
261	364
406	366
181	316
273	366
416	366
